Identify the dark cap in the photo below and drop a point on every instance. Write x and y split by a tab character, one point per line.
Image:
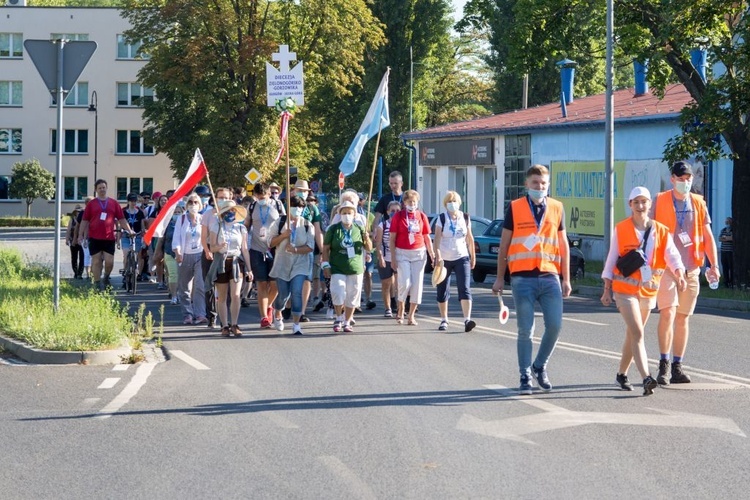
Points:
680	168
132	197
145	193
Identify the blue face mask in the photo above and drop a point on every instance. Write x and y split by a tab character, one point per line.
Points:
228	217
537	194
204	201
297	211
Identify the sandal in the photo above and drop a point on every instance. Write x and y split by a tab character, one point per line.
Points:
400	320
225	331
413	322
236	330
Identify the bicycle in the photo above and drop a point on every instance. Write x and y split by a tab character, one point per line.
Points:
131	267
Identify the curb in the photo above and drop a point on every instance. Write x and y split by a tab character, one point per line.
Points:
724	304
44	357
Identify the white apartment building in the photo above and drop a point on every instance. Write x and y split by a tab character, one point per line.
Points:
101	118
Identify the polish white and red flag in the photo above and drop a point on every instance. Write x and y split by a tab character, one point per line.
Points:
285	116
195	174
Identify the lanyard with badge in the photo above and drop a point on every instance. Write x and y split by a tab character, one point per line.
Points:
680	214
103	215
534	239
348	242
263	219
457	231
193	234
414	227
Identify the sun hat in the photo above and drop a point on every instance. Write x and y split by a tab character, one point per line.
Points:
301	185
439	273
347	204
227	205
639	191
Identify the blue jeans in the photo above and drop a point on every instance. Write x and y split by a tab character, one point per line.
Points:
548	292
293	288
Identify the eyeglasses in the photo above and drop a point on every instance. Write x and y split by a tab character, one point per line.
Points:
192	202
274	192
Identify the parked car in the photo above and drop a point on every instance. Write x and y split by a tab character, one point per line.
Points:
487	247
478	226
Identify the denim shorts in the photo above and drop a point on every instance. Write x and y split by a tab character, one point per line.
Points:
125	243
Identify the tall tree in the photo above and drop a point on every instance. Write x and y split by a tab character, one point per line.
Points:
30	182
664	33
207	66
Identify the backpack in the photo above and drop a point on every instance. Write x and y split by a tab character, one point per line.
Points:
442	220
169	236
251	208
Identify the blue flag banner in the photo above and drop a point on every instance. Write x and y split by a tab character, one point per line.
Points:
377	118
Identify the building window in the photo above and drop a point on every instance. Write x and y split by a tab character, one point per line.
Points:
5	187
75	188
75	141
129	51
71	37
11	93
78	96
11	45
133	94
517	162
126	185
131	142
11	140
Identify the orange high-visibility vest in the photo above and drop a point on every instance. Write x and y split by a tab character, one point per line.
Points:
627	240
545	256
665	214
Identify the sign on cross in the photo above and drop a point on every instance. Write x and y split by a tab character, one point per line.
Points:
284	57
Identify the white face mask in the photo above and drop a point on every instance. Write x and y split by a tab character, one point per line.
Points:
347	219
263	202
411	208
194	208
296	211
683	187
452	206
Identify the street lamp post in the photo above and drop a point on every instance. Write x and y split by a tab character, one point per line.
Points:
95	108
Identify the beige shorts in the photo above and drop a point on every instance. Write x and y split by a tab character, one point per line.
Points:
669	296
622	299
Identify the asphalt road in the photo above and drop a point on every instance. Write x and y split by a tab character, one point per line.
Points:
389	411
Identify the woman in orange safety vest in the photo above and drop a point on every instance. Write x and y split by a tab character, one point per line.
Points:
635	295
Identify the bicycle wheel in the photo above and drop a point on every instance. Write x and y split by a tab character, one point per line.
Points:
130	274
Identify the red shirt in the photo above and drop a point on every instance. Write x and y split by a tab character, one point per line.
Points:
404	223
102	228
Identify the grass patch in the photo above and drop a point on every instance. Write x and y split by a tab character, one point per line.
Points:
85	321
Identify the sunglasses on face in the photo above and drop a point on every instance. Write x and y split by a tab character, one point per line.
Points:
192	202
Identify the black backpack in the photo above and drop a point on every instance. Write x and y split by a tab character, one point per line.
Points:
279	208
442	220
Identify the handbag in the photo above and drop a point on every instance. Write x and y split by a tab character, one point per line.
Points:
634	259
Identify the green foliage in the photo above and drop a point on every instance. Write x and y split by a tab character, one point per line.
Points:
86	320
74	3
30	221
31	181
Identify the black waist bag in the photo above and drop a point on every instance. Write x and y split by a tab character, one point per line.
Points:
634	259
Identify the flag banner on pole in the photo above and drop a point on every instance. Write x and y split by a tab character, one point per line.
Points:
285	116
195	174
377	118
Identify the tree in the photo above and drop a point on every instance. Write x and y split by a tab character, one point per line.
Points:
207	67
31	181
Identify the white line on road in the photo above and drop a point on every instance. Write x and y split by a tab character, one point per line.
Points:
357	487
189	360
109	383
120	368
130	390
584	321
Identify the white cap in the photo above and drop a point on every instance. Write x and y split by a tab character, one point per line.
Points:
639	191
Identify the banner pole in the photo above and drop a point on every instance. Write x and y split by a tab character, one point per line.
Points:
288	180
372	175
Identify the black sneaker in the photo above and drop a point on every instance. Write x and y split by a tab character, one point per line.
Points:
661	378
677	376
623	382
540	374
320	305
526	388
371	305
286	313
244	303
469	325
649	384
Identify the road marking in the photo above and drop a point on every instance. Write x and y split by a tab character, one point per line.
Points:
584	321
603	353
554	417
120	368
130	390
89	403
357	487
189	360
109	383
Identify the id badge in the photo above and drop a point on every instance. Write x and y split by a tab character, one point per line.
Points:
531	242
103	216
350	252
262	232
412	239
646	273
193	245
685	239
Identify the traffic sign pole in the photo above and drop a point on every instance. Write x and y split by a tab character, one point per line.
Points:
58	172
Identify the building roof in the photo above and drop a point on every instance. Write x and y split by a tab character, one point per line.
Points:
583	112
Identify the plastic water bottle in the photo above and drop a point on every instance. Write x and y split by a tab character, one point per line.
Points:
713	283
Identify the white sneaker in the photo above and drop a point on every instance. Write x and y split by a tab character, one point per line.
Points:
330	314
297	330
278	324
174	301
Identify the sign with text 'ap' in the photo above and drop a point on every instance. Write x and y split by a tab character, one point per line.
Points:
284	82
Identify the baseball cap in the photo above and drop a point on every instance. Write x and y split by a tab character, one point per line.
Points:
132	197
639	191
680	168
361	195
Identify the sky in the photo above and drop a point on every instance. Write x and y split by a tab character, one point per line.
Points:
458	8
